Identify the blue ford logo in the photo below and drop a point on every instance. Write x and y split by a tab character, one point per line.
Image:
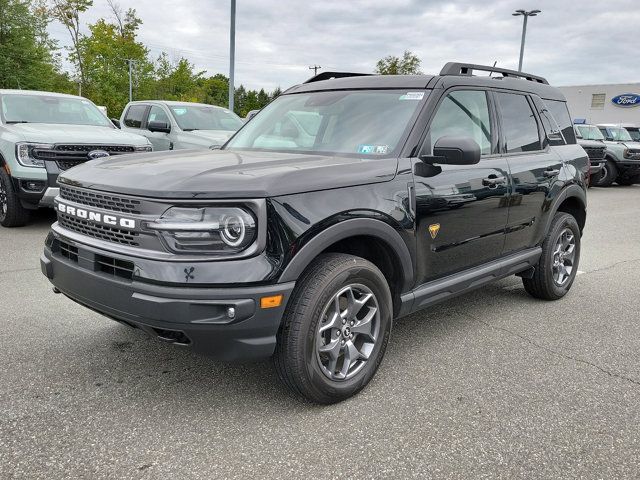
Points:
94	154
626	100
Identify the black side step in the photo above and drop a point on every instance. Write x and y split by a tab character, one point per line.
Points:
457	284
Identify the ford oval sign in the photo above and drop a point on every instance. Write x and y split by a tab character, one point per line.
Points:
95	154
626	100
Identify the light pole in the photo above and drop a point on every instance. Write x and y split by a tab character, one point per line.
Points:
526	15
232	51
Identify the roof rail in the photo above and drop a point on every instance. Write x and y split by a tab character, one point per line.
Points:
455	68
328	75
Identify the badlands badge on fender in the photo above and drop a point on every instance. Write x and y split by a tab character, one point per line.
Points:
434	228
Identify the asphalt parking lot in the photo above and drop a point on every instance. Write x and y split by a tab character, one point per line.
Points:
494	384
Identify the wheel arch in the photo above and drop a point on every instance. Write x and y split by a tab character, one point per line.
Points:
572	200
371	239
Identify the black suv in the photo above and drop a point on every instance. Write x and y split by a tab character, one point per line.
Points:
350	201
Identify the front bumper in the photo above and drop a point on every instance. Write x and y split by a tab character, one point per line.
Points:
197	317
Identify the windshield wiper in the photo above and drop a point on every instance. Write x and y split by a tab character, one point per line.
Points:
16	121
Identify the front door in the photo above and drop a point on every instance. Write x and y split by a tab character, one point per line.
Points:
159	140
461	211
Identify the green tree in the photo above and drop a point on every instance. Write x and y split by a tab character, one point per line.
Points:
408	64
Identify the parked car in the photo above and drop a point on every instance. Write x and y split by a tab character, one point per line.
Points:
180	125
416	189
591	139
623	157
42	134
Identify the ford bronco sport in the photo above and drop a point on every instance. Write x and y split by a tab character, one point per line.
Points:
304	240
42	134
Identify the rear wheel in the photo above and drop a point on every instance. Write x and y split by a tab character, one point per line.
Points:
558	265
626	181
12	213
609	174
335	330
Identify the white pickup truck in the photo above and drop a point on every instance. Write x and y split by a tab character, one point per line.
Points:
42	134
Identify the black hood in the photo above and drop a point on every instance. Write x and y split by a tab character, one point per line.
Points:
226	174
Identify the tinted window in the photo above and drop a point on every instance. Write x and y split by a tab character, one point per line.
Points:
519	124
134	116
156	114
561	115
463	113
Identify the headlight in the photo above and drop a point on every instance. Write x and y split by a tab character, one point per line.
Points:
145	148
25	154
211	230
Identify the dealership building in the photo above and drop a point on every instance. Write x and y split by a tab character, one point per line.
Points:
619	103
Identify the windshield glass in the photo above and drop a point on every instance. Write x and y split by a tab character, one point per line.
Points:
634	133
50	109
590	132
620	134
359	122
202	117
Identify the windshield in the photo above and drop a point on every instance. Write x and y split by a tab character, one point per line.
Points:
634	133
590	132
50	109
359	122
619	134
202	117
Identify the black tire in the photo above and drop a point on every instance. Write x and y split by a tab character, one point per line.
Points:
296	358
594	179
12	213
627	181
543	285
609	174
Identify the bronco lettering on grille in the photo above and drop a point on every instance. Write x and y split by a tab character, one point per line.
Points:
83	214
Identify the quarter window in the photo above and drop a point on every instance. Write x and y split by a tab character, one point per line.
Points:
462	113
561	115
135	116
519	124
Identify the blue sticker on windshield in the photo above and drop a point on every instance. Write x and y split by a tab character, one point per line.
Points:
373	149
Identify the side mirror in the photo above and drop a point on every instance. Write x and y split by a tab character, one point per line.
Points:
450	150
161	127
116	122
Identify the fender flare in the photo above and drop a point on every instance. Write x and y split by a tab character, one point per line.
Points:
571	191
351	228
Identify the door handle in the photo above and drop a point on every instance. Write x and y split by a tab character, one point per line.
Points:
493	181
551	173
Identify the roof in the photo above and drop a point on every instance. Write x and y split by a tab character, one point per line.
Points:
36	92
623	125
176	103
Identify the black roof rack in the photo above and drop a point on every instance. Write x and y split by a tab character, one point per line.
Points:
454	68
328	75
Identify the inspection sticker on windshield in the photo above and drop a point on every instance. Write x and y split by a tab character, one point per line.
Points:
373	149
412	96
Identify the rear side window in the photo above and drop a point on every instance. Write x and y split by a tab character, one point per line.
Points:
135	116
561	115
519	125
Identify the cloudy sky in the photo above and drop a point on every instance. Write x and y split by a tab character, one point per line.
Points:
570	42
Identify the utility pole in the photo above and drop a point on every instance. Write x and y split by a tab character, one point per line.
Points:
232	52
526	15
315	69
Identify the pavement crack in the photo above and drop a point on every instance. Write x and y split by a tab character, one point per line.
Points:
20	270
560	354
613	265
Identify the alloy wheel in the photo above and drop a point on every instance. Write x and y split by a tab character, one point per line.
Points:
564	254
347	332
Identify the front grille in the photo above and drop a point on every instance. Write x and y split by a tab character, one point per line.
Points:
100	200
115	267
68	156
101	232
68	251
595	153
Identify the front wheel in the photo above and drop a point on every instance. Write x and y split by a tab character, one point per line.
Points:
608	175
558	265
335	330
12	213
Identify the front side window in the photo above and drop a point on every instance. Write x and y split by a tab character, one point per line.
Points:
462	113
560	113
157	114
25	108
135	116
519	125
203	117
357	122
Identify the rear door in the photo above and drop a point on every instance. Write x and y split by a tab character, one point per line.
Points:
535	168
461	210
134	119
